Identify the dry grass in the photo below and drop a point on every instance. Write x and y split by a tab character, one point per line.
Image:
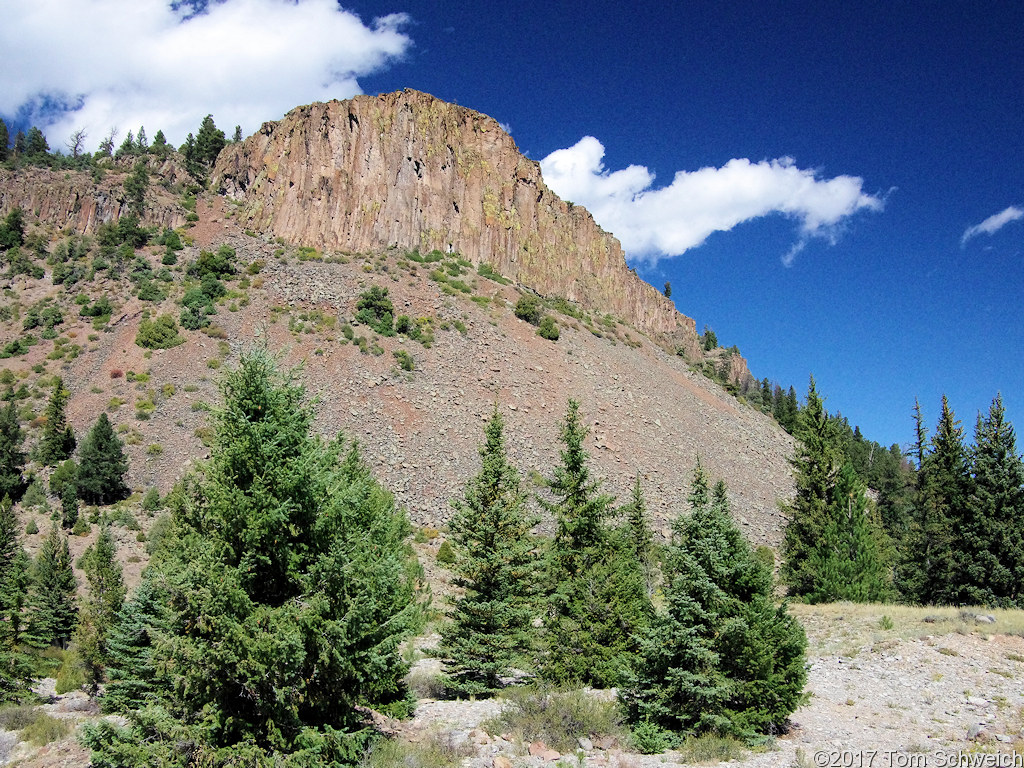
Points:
845	628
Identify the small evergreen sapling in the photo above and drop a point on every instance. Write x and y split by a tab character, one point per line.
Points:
104	599
15	670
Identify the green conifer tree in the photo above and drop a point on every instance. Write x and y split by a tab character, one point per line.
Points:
5	141
721	656
597	592
636	530
291	589
134	677
53	611
990	552
849	560
102	465
103	601
209	141
815	467
926	573
58	440
15	670
834	546
490	629
12	458
68	506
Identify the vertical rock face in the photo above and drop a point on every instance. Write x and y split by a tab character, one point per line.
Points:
408	170
73	199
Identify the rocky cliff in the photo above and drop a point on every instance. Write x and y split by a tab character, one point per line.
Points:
408	170
77	200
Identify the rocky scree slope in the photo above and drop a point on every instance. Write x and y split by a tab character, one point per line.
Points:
647	411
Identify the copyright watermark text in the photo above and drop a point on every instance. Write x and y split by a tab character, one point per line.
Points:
891	758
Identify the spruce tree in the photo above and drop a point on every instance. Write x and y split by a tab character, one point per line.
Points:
849	560
68	506
636	531
12	458
926	573
834	546
490	628
290	589
721	656
596	589
53	612
134	678
102	465
104	598
990	553
815	468
58	440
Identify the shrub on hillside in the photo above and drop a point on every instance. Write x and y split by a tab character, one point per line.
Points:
161	333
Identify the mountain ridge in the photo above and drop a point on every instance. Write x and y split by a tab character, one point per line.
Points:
437	176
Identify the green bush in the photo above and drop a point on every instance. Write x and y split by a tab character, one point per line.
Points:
405	361
649	738
31	528
151	501
71	675
548	329
219	264
528	309
374	309
161	333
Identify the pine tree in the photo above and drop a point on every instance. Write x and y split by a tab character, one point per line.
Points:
209	141
5	141
12	458
490	628
58	440
990	551
53	612
927	571
597	591
290	590
721	657
104	599
102	465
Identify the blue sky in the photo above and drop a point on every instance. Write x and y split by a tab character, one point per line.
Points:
859	215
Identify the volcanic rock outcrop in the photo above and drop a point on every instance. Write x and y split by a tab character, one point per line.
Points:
408	170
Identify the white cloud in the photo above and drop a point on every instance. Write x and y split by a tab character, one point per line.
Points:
993	223
671	220
126	63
